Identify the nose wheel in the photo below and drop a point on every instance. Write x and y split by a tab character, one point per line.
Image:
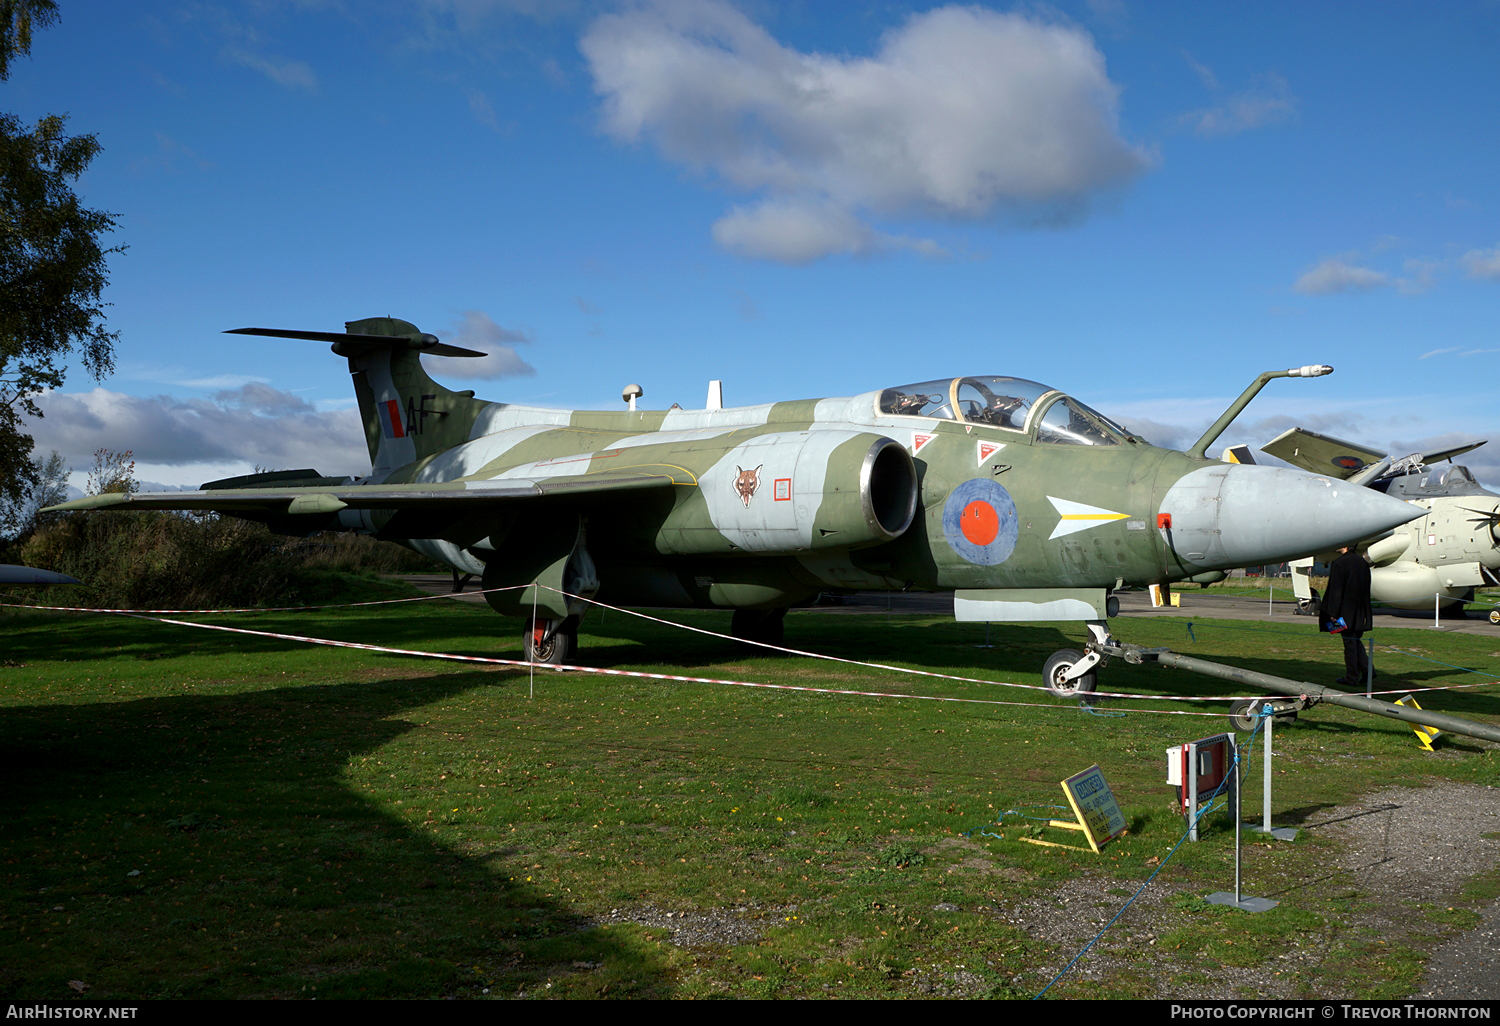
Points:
1056	673
1069	673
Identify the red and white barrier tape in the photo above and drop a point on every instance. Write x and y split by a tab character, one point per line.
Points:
670	623
490	660
948	676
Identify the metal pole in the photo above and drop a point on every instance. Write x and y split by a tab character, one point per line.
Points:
1238	787
1370	668
1270	591
1192	789
1266	720
1436	598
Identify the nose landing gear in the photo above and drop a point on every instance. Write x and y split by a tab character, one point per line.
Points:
1069	673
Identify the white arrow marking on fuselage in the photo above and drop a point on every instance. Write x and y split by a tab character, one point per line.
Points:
1078	516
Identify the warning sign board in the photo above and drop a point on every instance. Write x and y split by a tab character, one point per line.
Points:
1095	806
1099	818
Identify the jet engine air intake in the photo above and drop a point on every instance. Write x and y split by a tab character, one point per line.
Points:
888	487
798	491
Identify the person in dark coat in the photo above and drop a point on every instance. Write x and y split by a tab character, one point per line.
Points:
1346	611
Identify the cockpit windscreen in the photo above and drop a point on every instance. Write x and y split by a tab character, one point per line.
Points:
1004	403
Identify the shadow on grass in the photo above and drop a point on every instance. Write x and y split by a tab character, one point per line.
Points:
209	847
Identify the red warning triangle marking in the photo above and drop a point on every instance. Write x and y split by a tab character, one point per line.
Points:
919	439
988	449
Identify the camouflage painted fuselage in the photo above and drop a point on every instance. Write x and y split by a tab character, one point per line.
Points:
1002	489
766	508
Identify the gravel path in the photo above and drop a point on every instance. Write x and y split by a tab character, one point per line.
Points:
1422	845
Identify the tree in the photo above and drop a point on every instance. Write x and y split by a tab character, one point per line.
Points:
52	264
51	488
16	20
112	472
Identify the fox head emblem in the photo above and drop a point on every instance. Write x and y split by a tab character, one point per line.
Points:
746	483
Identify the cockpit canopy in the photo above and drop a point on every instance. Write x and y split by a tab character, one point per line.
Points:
1011	403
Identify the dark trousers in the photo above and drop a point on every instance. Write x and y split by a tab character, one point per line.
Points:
1356	663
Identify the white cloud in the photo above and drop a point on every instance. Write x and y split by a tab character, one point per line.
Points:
1339	274
477	331
962	113
254	424
168	151
1268	101
1203	71
292	74
1483	263
1421	275
1334	275
1438	352
223	381
801	231
483	110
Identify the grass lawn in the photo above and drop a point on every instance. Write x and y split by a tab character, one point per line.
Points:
190	813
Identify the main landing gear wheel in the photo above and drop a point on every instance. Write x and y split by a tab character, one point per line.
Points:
1060	663
1495	616
557	650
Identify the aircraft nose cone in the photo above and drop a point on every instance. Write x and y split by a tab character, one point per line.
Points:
1232	515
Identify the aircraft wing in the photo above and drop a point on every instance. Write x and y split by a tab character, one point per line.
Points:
1335	457
330	498
11	574
1321	454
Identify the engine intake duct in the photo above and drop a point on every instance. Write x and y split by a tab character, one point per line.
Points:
888	488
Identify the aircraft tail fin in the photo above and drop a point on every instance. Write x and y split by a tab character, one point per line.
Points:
407	416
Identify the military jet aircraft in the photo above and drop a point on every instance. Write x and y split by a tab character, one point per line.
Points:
1026	503
1439	560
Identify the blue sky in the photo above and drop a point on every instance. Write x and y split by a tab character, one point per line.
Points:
1142	204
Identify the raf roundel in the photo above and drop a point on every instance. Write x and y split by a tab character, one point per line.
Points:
980	522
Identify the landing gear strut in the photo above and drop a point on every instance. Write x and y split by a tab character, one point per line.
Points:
550	641
767	626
